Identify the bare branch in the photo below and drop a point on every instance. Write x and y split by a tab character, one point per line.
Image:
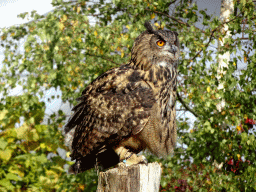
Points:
212	35
167	15
186	106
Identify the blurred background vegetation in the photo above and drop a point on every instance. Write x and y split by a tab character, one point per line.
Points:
63	51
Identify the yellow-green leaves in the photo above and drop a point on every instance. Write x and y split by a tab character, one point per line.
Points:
61	26
5	154
27	133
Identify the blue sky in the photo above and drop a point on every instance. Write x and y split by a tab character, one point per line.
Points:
9	9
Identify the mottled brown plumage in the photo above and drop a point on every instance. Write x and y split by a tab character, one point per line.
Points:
129	108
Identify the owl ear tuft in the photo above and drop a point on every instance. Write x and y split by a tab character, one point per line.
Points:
149	27
177	34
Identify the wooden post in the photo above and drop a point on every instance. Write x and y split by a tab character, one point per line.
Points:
135	178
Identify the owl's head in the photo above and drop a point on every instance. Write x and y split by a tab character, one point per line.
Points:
155	47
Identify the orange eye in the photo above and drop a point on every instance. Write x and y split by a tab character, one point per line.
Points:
160	43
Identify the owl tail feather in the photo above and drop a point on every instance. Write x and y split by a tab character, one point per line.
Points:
102	160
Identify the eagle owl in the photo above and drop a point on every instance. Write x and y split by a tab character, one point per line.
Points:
130	108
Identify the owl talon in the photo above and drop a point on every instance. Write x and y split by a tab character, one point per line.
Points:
134	159
122	164
145	161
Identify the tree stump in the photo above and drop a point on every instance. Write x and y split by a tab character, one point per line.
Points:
135	178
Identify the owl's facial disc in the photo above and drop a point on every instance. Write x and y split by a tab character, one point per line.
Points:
169	51
167	54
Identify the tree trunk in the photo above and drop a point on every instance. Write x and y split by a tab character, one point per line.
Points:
227	8
136	178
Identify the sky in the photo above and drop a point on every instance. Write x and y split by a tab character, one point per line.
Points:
9	9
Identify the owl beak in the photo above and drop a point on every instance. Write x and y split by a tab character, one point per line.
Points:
173	51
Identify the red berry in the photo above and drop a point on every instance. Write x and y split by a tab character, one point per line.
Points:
231	162
250	121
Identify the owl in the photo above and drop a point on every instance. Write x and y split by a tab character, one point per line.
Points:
130	108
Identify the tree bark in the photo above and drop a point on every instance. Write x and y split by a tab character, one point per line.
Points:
136	178
227	8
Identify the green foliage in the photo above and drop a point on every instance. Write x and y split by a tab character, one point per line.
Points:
63	50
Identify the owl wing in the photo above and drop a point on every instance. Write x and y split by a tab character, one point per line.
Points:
115	105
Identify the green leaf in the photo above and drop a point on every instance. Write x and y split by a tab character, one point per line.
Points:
3	143
6	154
7	184
42	158
11	176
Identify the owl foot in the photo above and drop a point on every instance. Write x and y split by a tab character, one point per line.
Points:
129	158
135	159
